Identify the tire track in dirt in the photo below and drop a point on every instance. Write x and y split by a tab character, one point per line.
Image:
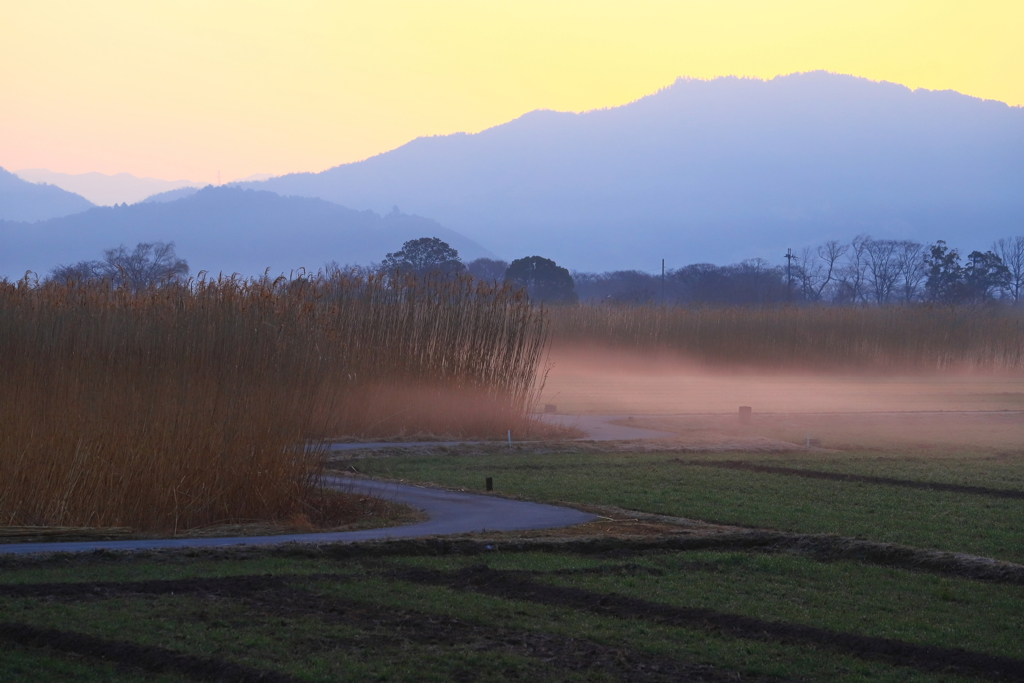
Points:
273	595
145	657
515	586
837	476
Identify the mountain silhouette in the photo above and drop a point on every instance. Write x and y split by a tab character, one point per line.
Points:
21	200
716	170
170	195
103	189
224	230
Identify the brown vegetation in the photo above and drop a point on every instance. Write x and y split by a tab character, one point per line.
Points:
902	338
185	406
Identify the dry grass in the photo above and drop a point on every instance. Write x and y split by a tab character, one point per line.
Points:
903	338
188	406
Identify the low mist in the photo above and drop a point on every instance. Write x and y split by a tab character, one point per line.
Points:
839	410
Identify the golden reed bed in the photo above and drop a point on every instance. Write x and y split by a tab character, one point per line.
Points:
185	406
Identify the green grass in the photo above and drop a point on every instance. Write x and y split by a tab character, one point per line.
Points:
959	522
30	665
338	644
365	618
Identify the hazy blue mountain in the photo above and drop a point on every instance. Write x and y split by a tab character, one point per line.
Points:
103	189
21	200
224	229
170	195
714	170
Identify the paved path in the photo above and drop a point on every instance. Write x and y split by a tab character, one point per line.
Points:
373	445
600	428
449	512
596	428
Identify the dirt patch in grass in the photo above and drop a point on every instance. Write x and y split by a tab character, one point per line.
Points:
837	476
629	534
514	585
145	657
274	596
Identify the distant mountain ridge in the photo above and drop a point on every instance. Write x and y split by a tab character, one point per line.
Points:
224	230
170	195
103	189
715	170
21	200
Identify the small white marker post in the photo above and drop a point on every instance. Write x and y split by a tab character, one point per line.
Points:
510	438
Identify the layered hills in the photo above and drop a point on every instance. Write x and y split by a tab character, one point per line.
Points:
715	170
103	189
224	230
21	200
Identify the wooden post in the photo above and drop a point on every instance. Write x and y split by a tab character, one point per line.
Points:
490	484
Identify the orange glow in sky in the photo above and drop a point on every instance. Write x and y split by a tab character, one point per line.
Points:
187	88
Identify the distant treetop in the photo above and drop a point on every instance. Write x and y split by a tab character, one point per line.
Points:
544	280
423	256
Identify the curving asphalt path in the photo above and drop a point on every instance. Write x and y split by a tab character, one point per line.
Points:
449	512
596	428
600	428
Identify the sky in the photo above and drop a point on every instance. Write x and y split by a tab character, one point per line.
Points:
208	89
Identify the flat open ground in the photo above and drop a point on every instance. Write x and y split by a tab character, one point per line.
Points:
700	405
894	553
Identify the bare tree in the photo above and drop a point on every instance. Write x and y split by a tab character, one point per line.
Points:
809	274
1011	252
882	268
853	276
830	253
912	269
149	264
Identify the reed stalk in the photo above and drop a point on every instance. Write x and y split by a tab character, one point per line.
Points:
185	406
885	338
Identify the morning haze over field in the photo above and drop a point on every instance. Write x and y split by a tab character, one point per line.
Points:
548	340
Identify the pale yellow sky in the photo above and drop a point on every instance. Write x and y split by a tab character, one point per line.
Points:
184	88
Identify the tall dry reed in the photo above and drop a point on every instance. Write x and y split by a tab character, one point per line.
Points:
185	406
889	338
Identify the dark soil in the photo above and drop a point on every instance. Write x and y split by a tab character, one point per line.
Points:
145	657
821	547
384	626
836	476
517	586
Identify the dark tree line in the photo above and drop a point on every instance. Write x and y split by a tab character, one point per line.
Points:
862	271
542	279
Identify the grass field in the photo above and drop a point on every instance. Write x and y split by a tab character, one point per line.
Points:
503	616
690	485
545	607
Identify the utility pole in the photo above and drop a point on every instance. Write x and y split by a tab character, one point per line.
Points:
662	282
789	275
